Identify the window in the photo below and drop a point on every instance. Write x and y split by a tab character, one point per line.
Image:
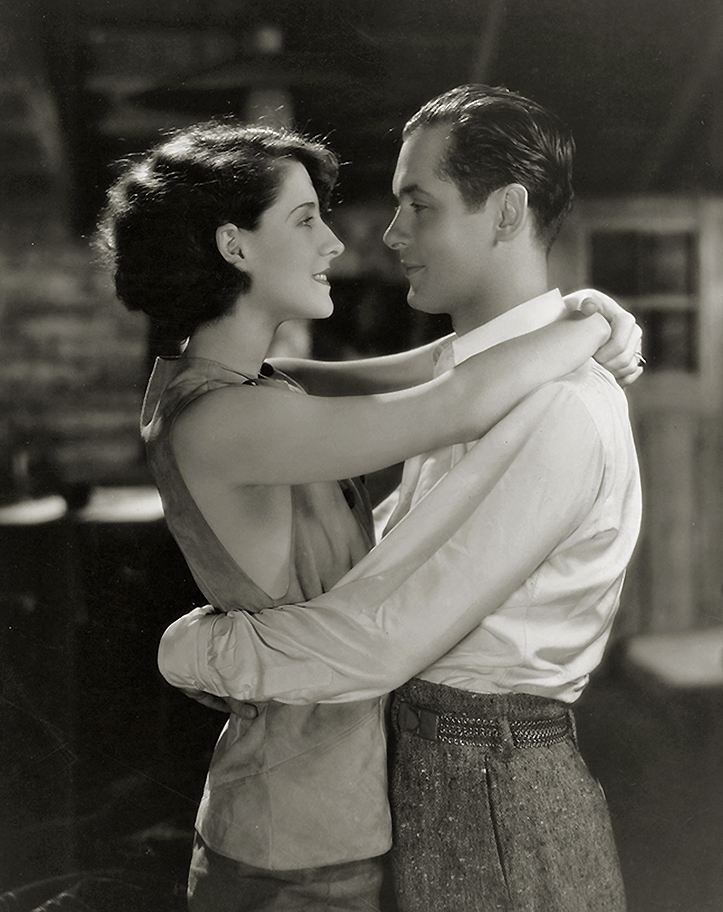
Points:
662	259
659	271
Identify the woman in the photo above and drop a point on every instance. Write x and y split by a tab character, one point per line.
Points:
218	235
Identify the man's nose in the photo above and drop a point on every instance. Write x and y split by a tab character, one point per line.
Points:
395	236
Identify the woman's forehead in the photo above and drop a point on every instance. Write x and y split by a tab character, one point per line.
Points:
295	182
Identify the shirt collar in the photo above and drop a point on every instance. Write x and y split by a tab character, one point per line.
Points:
533	314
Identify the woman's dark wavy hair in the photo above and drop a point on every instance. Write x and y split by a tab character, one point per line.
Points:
498	137
158	230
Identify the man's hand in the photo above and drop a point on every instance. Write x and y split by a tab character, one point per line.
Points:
248	711
622	353
210	700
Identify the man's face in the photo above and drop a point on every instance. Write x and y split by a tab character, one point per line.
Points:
445	249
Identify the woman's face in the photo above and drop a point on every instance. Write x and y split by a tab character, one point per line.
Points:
288	254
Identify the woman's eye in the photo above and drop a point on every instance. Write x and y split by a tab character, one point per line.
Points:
307	221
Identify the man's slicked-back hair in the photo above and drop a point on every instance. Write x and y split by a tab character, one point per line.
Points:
496	138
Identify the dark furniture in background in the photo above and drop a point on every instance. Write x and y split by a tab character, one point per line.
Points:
101	763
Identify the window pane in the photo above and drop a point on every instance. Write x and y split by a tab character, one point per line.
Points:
643	263
670	339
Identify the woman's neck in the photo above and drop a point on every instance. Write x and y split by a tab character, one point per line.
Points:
238	341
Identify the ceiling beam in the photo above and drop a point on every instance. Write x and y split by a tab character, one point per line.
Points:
686	105
488	42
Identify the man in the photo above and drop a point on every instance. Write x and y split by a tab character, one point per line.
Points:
495	588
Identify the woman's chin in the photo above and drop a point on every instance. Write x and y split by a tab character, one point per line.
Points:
325	309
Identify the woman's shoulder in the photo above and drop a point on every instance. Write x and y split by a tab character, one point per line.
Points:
233	420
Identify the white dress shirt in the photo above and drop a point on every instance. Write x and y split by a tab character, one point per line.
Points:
501	570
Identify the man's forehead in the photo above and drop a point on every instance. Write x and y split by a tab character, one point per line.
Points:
419	158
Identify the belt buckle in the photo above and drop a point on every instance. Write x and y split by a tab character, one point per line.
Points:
422	722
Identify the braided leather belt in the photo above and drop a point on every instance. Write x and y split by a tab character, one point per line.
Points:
459	728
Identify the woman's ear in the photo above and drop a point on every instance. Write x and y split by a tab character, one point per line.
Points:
228	241
513	211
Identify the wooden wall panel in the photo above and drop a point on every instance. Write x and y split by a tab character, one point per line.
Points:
675	581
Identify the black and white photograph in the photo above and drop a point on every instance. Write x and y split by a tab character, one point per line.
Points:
361	456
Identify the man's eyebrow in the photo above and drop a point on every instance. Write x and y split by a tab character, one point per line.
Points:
409	189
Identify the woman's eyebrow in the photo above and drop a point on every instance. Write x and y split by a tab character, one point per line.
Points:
308	205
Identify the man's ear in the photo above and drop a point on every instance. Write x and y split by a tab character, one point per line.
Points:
228	241
513	211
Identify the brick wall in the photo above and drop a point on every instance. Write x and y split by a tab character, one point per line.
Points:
72	366
72	361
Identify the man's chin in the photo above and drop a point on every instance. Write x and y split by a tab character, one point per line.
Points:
414	299
421	302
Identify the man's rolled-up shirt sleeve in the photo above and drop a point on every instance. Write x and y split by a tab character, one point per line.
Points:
469	544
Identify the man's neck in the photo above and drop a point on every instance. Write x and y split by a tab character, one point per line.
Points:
526	317
517	283
472	317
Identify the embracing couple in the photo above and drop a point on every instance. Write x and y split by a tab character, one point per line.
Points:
489	599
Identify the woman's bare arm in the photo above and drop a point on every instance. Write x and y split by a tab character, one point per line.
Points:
362	376
622	353
255	435
387	373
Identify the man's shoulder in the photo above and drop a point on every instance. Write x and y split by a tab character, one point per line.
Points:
561	410
593	390
589	395
590	384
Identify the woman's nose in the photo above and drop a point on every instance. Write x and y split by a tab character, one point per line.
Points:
333	246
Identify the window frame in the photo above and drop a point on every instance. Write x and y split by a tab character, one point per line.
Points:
571	267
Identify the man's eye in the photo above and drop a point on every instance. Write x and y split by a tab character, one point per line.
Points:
417	207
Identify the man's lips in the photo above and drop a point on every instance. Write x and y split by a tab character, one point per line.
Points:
411	269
